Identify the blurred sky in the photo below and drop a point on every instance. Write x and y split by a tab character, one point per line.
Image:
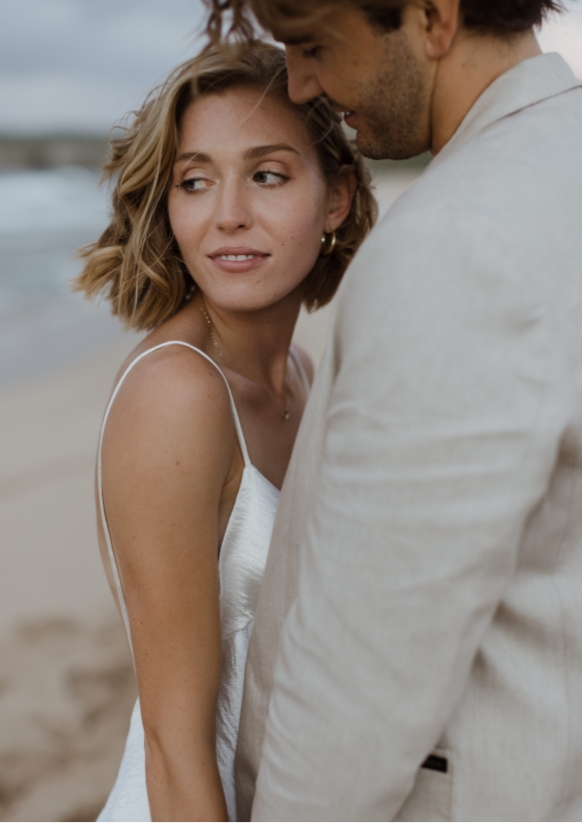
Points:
79	65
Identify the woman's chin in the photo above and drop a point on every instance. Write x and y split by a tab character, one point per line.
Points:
258	300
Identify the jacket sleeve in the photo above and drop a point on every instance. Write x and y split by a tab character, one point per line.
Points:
442	430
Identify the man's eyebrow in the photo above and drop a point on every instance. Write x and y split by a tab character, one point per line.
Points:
259	151
305	40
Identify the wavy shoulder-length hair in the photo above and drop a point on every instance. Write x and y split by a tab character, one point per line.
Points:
136	263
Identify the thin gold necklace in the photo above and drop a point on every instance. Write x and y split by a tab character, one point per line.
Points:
286	414
211	327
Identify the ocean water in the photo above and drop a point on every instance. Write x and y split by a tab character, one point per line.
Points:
45	216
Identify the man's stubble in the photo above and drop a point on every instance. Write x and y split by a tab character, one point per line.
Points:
394	107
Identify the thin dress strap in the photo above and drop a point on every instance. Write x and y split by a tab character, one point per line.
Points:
239	431
300	370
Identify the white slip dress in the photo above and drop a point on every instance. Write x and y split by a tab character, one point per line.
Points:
241	563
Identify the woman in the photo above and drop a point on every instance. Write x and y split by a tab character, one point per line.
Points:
232	207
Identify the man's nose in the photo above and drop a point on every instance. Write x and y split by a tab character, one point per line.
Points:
303	83
233	209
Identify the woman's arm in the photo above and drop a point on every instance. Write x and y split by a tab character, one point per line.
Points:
167	453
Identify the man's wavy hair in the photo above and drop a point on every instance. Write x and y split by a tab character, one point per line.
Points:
136	263
289	20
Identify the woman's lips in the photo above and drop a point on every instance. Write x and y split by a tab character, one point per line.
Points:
238	261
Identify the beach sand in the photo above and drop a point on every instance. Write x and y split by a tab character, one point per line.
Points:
66	680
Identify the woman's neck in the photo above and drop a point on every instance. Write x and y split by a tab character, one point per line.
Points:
254	343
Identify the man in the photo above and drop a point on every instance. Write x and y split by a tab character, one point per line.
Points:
418	641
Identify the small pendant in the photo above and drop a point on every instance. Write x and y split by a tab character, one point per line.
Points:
286	414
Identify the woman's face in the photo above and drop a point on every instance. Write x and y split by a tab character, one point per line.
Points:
248	202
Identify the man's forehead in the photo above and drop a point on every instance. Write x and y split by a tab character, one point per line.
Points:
332	24
299	29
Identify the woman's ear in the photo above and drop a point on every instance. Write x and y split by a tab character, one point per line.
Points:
340	196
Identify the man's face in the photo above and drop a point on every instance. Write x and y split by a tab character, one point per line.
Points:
380	80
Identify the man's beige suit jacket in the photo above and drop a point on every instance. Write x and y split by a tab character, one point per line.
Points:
418	638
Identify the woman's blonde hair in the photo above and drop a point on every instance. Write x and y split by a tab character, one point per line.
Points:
136	263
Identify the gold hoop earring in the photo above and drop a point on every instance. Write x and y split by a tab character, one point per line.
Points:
328	242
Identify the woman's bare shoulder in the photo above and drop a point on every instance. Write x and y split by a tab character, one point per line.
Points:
170	397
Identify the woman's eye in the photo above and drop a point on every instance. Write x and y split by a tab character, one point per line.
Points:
194	184
269	178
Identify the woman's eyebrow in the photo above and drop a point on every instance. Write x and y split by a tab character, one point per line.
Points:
193	155
259	151
253	153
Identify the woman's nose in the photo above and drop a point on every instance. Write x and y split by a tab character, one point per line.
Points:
233	209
